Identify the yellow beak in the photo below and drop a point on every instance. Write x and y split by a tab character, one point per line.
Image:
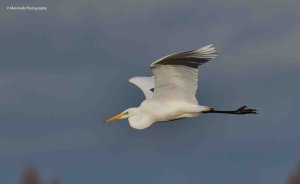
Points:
118	116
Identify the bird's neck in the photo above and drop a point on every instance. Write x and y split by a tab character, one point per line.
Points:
139	121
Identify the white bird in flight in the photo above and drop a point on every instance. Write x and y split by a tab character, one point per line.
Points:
170	92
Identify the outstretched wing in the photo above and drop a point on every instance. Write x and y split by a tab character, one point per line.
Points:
176	75
146	84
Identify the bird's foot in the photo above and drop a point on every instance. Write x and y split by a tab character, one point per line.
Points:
245	110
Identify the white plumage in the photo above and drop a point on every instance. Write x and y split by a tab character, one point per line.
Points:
146	84
174	80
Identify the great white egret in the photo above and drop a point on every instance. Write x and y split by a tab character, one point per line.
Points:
170	92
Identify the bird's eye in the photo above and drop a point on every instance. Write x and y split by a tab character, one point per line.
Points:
125	113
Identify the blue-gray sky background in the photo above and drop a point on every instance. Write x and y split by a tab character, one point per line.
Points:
63	71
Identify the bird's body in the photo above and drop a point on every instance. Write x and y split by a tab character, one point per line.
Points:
151	111
170	92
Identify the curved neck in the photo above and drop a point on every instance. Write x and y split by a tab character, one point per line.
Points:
139	121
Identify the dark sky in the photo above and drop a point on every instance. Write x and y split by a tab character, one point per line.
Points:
63	71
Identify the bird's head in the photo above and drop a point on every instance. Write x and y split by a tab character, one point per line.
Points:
125	114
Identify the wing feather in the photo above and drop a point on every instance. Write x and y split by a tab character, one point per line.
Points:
176	75
146	84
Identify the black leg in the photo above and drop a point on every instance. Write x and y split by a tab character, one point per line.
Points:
241	110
